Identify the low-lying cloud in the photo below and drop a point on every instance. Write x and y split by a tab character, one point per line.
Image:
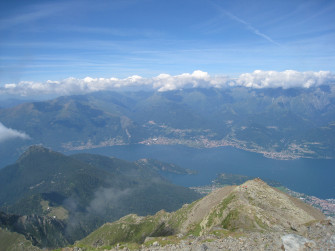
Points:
107	197
8	133
165	82
285	79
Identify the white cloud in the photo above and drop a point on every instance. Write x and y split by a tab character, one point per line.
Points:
166	82
285	79
8	133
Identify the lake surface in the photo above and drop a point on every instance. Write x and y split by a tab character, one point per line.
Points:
312	177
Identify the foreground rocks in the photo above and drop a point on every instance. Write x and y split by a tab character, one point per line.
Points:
319	236
253	216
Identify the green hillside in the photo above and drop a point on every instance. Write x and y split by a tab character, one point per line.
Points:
84	191
252	209
15	242
40	231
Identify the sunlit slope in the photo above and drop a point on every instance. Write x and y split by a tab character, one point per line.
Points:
251	207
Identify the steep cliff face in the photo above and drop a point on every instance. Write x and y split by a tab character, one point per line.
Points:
39	230
15	242
253	214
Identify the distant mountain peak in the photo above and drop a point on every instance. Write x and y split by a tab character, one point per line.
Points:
33	150
37	148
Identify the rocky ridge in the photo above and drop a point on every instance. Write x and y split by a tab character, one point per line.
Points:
252	216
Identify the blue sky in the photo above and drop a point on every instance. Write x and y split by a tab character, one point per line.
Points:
55	40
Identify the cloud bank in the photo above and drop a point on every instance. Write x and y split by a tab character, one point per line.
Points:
165	82
8	133
285	79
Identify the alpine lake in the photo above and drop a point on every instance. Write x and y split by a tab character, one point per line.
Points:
315	177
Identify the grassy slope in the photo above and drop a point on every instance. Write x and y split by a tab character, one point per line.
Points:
15	242
84	190
253	206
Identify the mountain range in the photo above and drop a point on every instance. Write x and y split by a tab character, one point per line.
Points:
279	123
46	191
48	185
93	202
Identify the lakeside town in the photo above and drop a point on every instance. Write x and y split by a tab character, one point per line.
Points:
195	142
197	138
327	206
203	142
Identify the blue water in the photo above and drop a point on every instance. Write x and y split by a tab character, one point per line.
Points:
312	177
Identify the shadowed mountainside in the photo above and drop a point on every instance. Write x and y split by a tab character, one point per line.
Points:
74	195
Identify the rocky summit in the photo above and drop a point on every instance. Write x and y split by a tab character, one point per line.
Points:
252	216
